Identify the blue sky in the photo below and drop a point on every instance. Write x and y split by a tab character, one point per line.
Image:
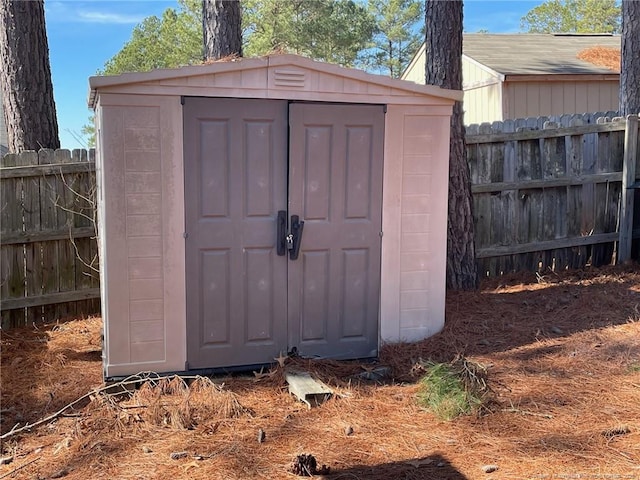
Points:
84	34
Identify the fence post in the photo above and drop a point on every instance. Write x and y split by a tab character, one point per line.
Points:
628	188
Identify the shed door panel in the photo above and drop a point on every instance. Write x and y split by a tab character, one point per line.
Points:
335	186
235	178
246	304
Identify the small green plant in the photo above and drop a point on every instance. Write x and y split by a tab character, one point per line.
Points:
634	367
449	390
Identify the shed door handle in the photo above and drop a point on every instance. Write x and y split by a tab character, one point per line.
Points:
297	226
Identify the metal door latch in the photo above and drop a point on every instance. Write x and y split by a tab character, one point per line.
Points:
289	242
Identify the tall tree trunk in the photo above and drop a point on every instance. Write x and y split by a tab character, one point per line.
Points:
630	68
222	28
25	77
444	69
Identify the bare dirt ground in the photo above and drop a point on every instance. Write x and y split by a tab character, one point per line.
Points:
563	359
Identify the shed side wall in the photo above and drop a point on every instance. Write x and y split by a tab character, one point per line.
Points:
143	224
414	222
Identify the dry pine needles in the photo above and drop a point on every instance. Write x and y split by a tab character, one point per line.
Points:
562	352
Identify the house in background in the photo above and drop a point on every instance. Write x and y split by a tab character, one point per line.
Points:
508	76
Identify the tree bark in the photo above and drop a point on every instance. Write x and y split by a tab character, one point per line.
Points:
25	77
444	69
630	68
222	28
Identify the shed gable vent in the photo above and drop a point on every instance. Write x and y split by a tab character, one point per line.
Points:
289	78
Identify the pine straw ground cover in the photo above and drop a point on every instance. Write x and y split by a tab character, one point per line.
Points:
563	361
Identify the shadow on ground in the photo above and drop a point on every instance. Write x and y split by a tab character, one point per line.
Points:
432	467
517	310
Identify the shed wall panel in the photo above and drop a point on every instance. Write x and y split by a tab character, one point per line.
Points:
414	223
141	176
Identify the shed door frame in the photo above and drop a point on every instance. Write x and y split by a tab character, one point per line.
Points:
307	187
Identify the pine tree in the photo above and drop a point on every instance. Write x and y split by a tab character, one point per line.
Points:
25	77
222	28
630	69
444	69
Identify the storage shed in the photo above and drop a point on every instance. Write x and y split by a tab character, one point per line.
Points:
267	206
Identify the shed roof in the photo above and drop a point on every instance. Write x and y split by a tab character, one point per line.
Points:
272	73
536	54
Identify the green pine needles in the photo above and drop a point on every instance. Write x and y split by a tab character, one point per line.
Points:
449	390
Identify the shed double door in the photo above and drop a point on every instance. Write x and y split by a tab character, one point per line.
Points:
248	165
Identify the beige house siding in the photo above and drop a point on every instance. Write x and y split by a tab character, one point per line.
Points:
141	188
483	104
482	92
482	88
415	72
543	98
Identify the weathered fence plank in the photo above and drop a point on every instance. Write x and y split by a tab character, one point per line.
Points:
12	283
628	191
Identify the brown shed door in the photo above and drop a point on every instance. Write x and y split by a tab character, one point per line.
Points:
246	303
335	185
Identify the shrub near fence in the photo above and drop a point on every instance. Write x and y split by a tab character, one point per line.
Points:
47	236
546	193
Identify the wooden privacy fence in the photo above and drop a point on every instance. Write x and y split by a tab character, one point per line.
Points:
547	191
48	252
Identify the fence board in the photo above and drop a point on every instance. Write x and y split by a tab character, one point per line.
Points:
49	221
9	268
627	214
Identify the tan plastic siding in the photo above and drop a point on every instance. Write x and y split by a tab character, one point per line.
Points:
414	221
142	228
535	99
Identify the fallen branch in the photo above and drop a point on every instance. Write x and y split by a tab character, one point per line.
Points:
131	380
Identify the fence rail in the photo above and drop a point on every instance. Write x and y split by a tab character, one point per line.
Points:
547	191
48	267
